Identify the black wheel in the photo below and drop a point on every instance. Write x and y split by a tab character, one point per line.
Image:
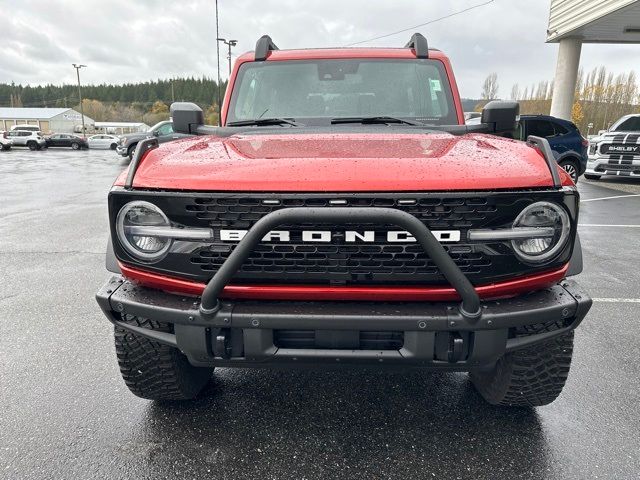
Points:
532	376
5	148
75	146
113	146
131	150
155	371
571	167
32	146
588	176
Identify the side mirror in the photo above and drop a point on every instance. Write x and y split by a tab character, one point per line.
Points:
601	132
501	116
156	133
187	117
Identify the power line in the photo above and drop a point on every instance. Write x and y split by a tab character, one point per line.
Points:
453	14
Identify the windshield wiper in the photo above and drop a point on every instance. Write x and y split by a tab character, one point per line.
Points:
378	119
264	121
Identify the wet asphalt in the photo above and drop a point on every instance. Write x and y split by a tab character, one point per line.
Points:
66	413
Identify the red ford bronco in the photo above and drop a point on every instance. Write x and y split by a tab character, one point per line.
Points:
343	214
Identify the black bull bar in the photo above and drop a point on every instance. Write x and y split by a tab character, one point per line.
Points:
208	330
469	308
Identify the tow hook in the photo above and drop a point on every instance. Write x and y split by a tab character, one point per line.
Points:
222	345
456	347
451	347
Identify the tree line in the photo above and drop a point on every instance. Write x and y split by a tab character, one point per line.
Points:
127	102
601	97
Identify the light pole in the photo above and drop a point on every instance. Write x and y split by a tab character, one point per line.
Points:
218	62
78	67
228	43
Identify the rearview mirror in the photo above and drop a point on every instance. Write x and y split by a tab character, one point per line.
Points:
187	117
501	116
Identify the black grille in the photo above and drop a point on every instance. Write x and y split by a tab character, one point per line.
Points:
340	262
434	212
362	263
364	340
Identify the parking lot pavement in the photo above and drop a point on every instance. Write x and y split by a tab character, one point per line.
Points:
67	413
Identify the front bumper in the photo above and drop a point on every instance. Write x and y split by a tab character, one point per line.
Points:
436	335
606	166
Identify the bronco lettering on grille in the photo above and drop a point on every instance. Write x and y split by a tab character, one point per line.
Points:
350	236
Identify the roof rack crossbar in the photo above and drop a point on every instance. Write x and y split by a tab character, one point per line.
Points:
263	46
419	44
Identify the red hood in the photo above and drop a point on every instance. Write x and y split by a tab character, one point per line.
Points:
343	162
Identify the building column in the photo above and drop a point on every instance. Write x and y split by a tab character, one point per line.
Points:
564	85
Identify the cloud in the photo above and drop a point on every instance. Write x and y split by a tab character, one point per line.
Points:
123	41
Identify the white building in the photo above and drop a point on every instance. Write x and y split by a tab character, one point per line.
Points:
50	120
574	22
121	128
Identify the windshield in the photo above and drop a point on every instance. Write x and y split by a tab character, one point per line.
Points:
416	89
156	126
631	124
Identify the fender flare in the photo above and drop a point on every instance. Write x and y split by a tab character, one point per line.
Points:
110	261
575	263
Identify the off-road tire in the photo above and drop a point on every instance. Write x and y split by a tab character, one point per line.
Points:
571	167
588	176
32	146
153	370
529	377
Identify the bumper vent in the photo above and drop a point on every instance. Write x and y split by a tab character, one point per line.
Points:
339	339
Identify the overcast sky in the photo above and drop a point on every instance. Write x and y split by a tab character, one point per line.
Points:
127	41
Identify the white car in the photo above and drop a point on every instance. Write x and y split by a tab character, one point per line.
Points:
103	141
5	141
616	151
25	138
26	128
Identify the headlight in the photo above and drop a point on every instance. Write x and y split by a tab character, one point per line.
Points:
537	215
592	148
132	222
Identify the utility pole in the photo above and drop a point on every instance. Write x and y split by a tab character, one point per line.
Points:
218	63
173	97
78	67
229	43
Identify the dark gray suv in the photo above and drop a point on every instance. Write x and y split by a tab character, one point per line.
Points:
163	131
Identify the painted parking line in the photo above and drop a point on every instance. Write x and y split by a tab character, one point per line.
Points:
617	300
609	198
606	225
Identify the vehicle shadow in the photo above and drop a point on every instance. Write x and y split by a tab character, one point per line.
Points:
329	423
